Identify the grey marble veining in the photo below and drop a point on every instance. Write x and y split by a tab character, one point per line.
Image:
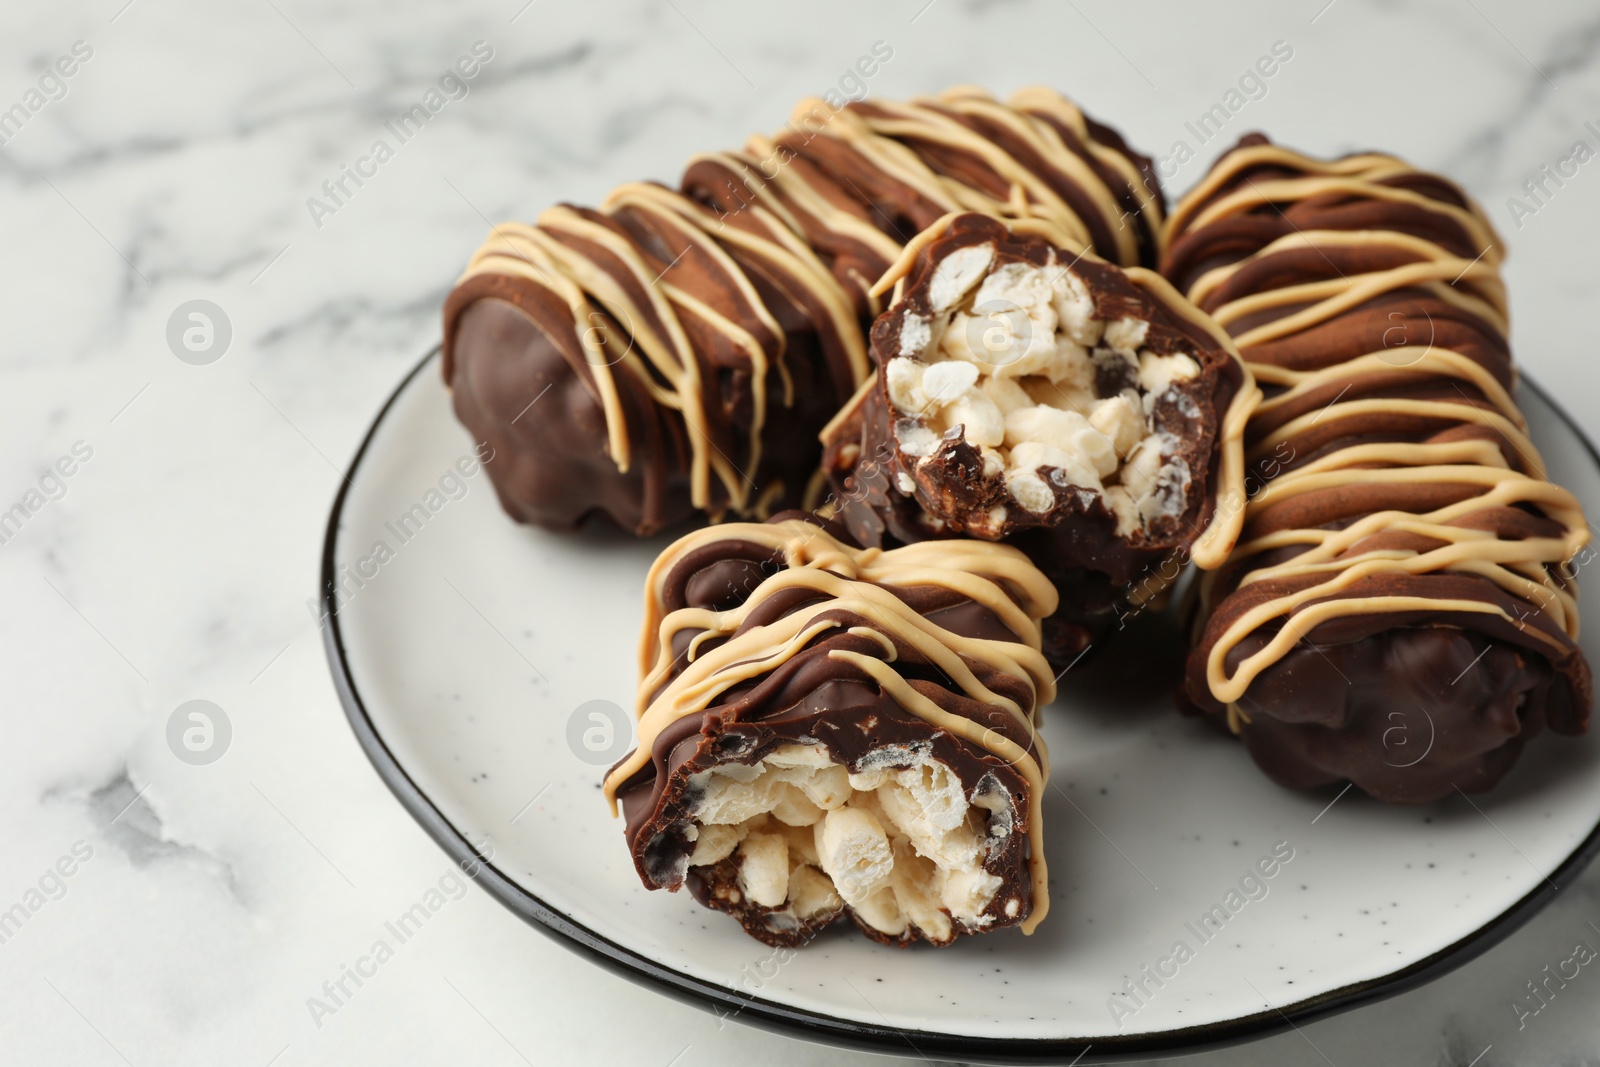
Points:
177	164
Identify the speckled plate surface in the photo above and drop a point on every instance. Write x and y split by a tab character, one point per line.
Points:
469	653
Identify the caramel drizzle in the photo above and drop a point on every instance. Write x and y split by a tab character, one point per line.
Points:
1520	567
860	582
664	362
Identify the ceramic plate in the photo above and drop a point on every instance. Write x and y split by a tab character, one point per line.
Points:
482	665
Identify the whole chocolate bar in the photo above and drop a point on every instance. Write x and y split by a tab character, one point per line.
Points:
1399	611
677	351
828	731
1037	395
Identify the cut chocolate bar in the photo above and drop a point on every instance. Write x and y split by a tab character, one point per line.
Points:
827	731
676	351
1037	395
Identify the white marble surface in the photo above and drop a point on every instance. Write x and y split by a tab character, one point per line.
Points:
177	561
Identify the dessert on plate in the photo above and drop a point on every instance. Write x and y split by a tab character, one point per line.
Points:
1399	610
828	732
1037	395
674	352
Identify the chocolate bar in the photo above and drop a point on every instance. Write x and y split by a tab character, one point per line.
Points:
1400	610
827	731
1037	395
675	352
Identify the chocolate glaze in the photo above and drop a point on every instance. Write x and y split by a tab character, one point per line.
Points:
1409	705
1076	543
533	400
811	698
1410	713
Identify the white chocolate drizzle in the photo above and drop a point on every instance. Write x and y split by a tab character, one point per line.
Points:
1526	569
608	317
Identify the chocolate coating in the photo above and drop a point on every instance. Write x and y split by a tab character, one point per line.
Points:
556	471
1435	638
1409	714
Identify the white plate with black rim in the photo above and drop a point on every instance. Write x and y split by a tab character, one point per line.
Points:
483	666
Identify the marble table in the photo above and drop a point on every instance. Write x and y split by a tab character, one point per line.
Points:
172	151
